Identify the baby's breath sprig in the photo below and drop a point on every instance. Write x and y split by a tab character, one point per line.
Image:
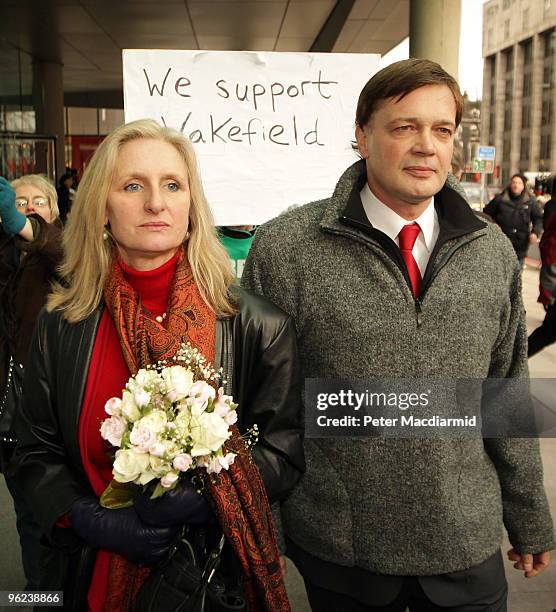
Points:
190	357
251	436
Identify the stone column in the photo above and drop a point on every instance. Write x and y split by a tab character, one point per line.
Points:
536	101
434	28
499	98
517	96
48	100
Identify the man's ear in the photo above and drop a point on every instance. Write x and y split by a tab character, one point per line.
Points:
361	142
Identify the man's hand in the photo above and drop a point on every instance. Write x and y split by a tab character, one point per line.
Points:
533	238
531	565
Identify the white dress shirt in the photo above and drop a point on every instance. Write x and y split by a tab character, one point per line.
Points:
383	218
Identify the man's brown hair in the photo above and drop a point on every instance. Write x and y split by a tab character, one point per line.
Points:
401	78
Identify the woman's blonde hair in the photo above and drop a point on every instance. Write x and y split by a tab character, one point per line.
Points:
88	257
42	183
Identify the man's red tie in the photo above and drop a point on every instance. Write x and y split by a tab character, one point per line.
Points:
407	237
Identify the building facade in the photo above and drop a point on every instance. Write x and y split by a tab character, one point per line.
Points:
519	85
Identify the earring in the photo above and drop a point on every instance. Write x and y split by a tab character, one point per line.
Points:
187	234
105	234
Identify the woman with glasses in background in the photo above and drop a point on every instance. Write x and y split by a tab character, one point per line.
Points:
30	251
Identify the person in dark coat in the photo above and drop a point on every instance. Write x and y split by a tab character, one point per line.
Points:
546	333
518	214
65	195
550	206
30	250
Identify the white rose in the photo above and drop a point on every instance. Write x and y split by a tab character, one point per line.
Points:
155	421
113	406
113	429
208	432
182	421
141	397
178	382
182	462
129	407
141	436
129	465
145	378
168	480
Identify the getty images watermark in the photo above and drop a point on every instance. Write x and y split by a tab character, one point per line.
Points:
430	408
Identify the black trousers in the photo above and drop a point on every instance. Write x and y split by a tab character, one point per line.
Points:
410	597
545	334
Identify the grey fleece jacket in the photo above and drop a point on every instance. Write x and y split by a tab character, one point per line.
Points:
403	506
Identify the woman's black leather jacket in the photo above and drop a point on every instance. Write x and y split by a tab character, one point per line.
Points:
266	386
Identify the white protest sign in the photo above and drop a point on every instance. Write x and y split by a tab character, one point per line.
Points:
271	130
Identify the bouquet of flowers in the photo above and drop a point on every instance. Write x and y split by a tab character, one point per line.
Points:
170	420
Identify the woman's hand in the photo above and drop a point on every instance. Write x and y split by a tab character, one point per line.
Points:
120	531
12	220
180	506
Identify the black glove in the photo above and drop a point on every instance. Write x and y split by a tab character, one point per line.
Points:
181	505
120	531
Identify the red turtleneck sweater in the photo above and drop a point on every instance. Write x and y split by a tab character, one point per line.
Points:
107	377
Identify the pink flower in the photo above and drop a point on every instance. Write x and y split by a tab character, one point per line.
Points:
168	480
200	393
157	449
113	429
142	437
214	466
222	403
231	417
113	406
182	462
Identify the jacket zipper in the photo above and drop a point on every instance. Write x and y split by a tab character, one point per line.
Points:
419	312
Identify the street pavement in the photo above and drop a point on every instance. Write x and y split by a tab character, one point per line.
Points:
526	595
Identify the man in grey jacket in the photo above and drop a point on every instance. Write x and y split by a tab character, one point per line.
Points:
395	277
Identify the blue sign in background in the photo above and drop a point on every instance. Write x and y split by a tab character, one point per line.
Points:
486	153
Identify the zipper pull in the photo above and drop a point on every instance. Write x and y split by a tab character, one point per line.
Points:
418	310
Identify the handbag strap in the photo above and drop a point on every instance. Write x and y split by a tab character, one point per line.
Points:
4	402
7	387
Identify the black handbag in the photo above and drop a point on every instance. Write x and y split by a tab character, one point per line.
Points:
9	401
198	575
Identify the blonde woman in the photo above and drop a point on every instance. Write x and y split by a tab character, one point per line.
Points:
144	271
30	250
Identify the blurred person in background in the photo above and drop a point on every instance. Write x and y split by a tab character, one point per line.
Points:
550	206
518	214
143	273
237	240
66	193
30	250
458	161
546	333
